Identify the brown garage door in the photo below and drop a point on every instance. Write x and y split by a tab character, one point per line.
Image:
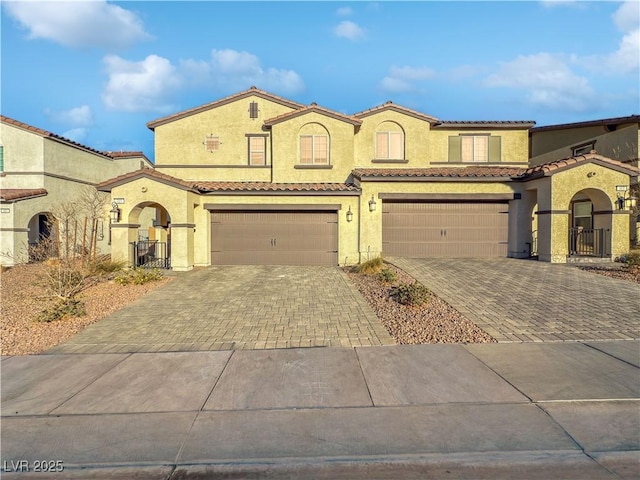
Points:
274	238
445	229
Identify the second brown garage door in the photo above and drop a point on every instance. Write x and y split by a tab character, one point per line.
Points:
430	229
274	238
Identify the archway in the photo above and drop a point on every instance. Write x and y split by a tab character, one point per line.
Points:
152	245
590	224
42	236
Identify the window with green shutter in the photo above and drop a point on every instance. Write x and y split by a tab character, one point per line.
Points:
475	149
1	158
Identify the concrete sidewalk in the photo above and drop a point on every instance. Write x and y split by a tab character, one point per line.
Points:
558	410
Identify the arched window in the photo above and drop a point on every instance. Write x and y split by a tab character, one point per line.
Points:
389	142
314	145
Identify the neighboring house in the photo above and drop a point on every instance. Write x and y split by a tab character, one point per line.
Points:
39	171
616	138
254	178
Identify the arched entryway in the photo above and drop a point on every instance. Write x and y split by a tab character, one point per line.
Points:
42	236
590	224
152	245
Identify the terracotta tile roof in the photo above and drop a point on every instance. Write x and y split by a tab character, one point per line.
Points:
122	154
590	123
485	124
231	98
16	194
107	185
274	187
389	105
313	108
547	169
451	172
46	134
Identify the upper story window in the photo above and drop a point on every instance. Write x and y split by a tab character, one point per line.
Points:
211	143
582	149
257	150
314	149
389	145
475	148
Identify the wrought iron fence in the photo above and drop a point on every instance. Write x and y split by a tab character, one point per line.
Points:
150	254
588	242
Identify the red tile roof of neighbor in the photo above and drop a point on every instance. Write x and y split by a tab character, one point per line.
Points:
16	194
453	172
589	123
274	187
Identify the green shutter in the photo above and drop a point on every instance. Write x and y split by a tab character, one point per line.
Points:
495	149
455	149
1	158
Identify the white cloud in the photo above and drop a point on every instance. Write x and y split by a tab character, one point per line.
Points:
78	23
76	134
153	84
627	16
140	86
344	11
627	58
78	116
547	81
349	30
404	79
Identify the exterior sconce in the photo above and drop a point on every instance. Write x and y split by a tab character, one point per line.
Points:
115	213
349	214
625	203
372	204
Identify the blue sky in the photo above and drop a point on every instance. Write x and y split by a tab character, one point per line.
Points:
97	71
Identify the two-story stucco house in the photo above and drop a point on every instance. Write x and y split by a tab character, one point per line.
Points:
254	178
40	170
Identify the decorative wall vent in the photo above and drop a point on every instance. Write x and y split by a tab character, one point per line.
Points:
211	143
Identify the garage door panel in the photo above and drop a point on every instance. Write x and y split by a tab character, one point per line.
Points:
274	238
445	229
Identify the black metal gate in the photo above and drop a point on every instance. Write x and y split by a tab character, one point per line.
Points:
150	254
587	242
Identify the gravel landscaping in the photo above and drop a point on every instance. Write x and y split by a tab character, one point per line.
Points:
621	272
23	300
433	322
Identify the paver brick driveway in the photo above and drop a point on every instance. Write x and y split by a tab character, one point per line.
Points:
239	307
527	301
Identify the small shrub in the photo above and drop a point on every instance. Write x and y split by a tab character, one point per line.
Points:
387	276
370	266
138	276
64	279
103	266
411	294
633	259
62	308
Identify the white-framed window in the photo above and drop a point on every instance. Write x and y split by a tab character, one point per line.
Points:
211	143
582	149
583	214
257	150
475	148
314	149
389	145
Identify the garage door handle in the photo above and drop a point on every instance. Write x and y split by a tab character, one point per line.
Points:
275	242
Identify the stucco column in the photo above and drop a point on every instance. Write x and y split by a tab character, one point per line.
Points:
122	234
14	245
182	246
620	232
553	235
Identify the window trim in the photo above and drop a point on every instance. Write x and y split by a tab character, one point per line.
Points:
313	137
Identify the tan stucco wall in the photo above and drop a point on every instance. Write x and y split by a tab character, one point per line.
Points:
180	142
621	144
514	144
286	147
417	136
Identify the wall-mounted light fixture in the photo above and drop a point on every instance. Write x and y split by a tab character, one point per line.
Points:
625	202
349	214
372	204
115	213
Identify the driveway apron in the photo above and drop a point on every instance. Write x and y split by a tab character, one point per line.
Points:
527	301
239	307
